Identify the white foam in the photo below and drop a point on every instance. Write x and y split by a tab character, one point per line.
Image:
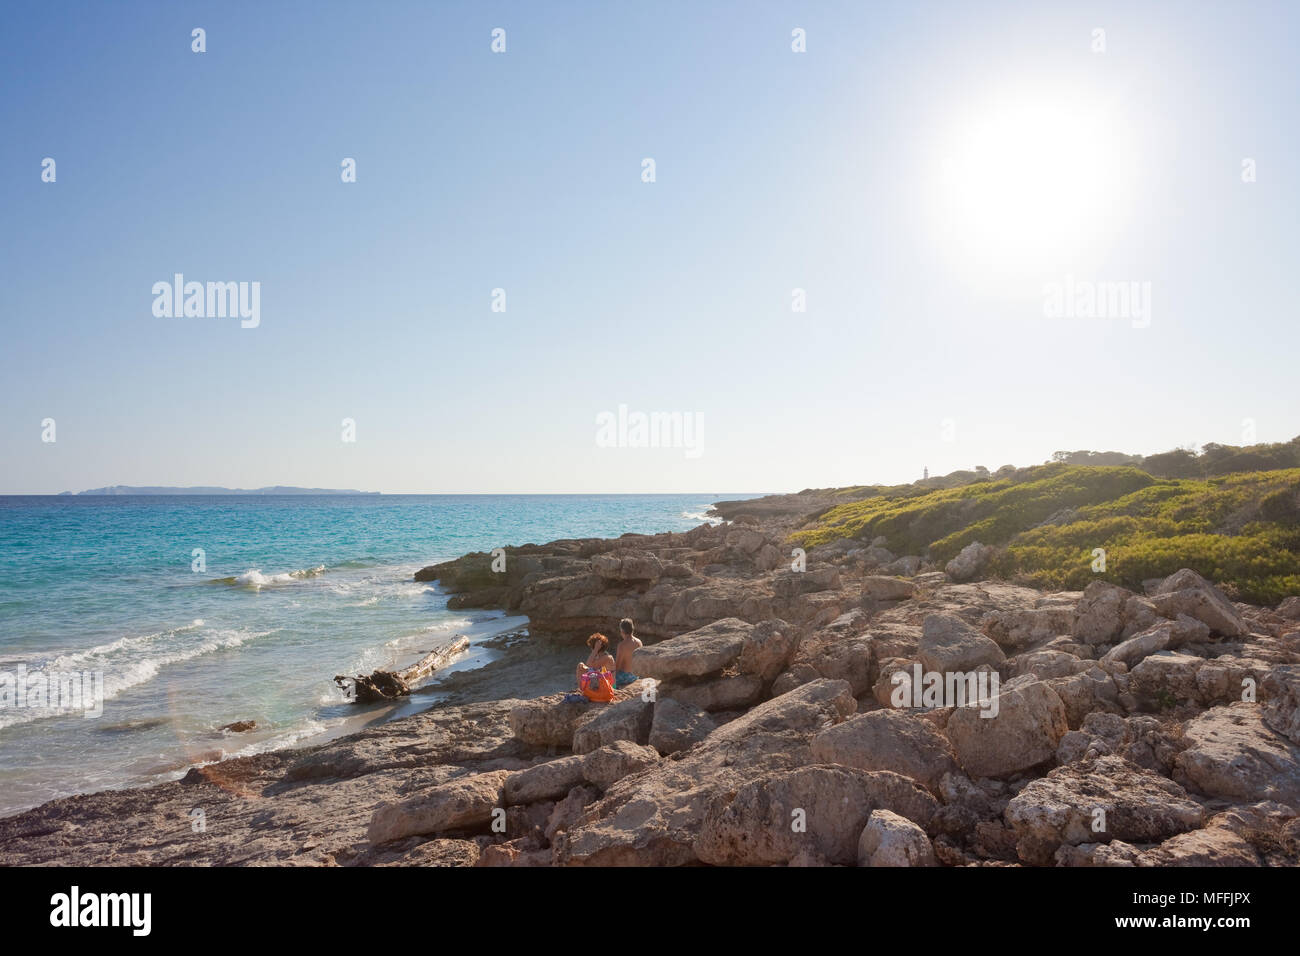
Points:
255	579
73	660
702	515
129	662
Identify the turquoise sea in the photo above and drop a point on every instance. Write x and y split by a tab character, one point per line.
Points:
291	590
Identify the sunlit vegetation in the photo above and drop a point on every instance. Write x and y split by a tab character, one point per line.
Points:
1239	529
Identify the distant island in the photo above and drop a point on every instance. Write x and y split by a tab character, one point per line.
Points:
211	490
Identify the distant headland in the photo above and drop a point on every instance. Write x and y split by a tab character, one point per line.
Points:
212	490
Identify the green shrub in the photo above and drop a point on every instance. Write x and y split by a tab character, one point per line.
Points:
1241	530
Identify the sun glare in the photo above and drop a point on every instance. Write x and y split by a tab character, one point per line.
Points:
1027	181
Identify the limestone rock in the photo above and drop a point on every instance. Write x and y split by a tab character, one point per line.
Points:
1280	691
678	726
1186	592
893	840
1100	614
1067	806
789	584
708	604
548	721
1030	722
770	819
888	740
718	693
1215	845
1139	614
545	781
1139	646
1087	691
768	648
627	564
885	686
706	650
569	810
950	644
907	565
1224	680
842	650
1114	853
654	817
1045	664
528	821
851	659
1020	627
461	803
769	558
520	852
609	764
1233	754
1141	740
1167	677
628	719
879	587
969	563
439	853
800	672
745	540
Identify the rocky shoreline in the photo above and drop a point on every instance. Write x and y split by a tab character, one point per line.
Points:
1150	729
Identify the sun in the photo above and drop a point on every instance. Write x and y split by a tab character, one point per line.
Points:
1024	181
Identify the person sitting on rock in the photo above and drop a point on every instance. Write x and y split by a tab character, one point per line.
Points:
626	648
599	659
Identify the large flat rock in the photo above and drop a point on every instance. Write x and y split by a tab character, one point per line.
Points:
467	801
706	650
1234	755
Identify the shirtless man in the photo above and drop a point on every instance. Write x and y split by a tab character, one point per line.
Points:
627	647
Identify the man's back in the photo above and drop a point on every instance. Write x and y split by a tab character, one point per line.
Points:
626	648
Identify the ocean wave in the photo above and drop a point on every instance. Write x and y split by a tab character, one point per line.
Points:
255	580
72	660
702	514
390	583
129	662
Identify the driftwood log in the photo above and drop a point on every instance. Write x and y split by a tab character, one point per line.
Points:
389	685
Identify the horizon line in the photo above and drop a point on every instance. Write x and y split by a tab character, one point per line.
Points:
239	493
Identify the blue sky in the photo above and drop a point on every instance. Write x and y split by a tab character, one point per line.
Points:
830	170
